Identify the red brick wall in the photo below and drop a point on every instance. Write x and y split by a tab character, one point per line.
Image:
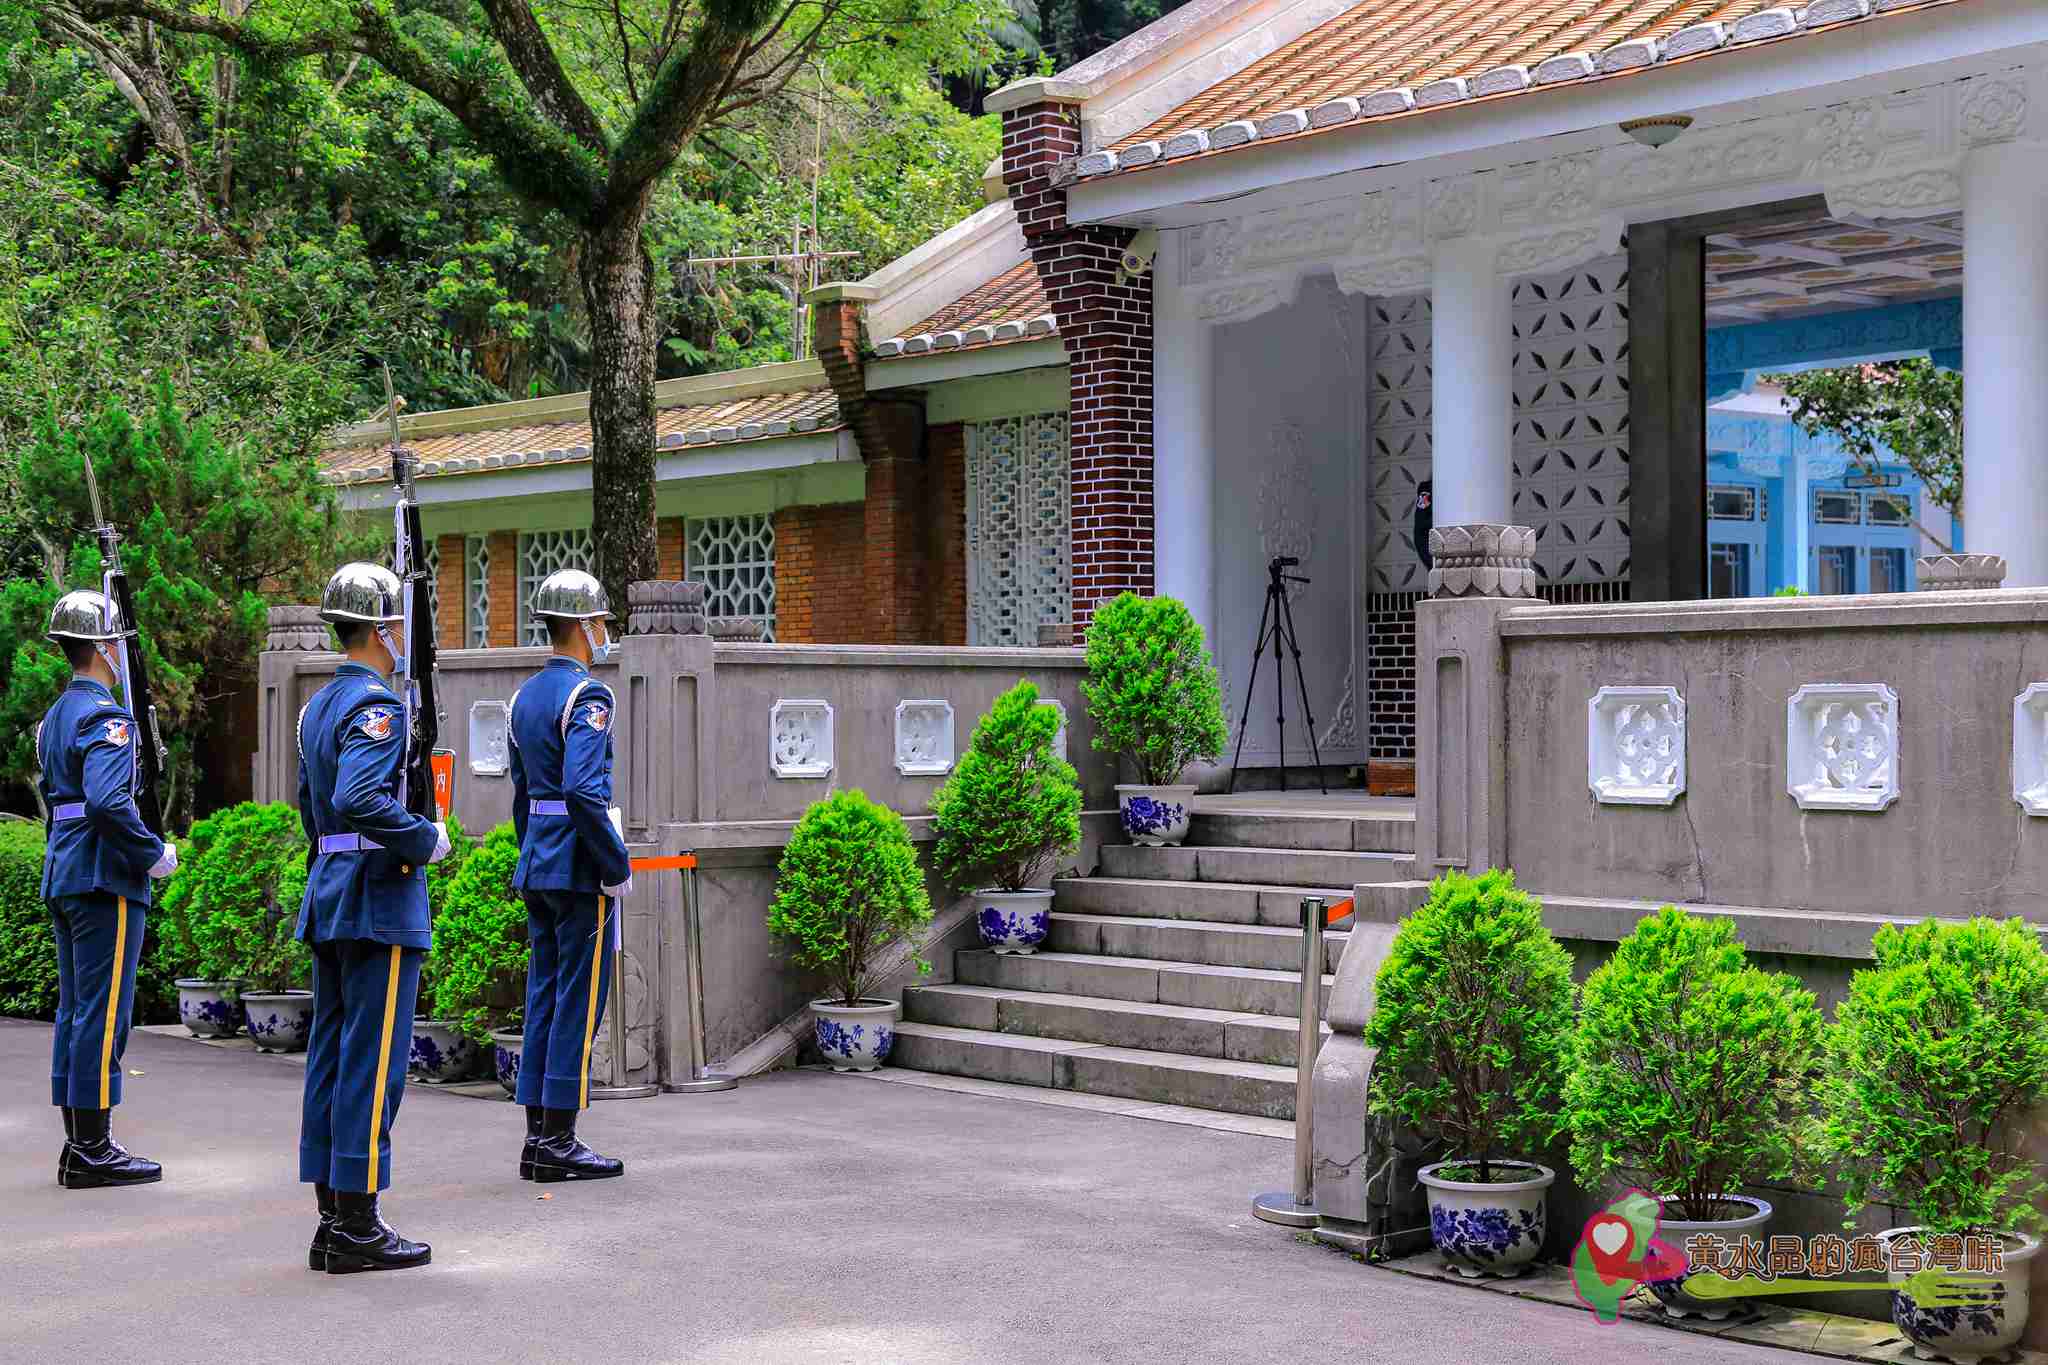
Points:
1107	328
946	522
503	582
668	547
448	582
821	587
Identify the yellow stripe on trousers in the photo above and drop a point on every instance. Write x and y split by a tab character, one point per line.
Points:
113	1003
590	1018
383	1065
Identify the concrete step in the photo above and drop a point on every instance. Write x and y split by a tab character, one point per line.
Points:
1254	866
1064	1064
1357	834
1239	990
1215	902
1180	940
1182	1029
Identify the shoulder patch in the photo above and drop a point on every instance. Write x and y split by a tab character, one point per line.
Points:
595	714
376	722
116	732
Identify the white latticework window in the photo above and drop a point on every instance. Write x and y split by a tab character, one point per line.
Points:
434	578
476	591
734	558
1017	528
540	554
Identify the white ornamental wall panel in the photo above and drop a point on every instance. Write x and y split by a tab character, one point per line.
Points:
1400	454
1635	746
490	732
1018	528
924	738
800	738
540	554
2030	749
476	575
1842	746
734	558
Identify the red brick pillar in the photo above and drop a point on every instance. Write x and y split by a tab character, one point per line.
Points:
1107	328
449	584
502	583
668	548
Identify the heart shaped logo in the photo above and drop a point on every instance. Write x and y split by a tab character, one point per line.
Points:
1611	1237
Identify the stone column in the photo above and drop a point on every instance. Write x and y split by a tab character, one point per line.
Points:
2005	356
1471	393
1184	478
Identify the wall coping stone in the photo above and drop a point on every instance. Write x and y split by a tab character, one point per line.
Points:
1958	572
1927	610
897	656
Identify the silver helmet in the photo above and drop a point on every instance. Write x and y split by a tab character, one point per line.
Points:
571	594
363	592
84	614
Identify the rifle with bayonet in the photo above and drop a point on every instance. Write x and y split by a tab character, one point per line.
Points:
150	753
427	775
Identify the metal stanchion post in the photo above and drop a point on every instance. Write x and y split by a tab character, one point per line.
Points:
1297	1208
615	1017
700	1078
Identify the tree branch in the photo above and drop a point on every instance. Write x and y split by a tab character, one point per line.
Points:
533	58
682	94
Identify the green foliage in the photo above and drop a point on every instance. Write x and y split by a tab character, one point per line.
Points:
479	957
1151	689
1905	409
1013	804
1790	590
1691	1069
1472	1017
1933	1063
848	887
28	951
229	911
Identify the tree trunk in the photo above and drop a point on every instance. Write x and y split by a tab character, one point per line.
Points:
618	290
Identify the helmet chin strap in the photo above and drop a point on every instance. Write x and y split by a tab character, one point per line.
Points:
599	653
109	657
391	647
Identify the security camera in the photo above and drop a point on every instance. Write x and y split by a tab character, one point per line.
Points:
1136	261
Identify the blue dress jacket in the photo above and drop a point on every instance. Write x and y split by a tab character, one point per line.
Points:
367	878
562	783
87	748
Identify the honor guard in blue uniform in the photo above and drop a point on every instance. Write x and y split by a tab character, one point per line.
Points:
573	869
365	918
96	875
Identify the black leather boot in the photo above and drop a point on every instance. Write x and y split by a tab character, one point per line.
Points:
559	1156
94	1159
70	1136
316	1255
533	1125
361	1240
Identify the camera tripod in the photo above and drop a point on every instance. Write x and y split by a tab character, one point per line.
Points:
1276	627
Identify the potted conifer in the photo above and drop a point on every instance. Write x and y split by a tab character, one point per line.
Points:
847	889
479	980
442	1050
1011	807
1690	1077
236	893
1472	1013
1933	1064
1153	695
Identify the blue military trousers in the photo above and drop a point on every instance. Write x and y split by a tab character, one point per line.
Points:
569	969
363	997
99	941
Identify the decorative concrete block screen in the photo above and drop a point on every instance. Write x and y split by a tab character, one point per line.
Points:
734	558
1019	518
924	738
1635	746
800	739
1842	746
2030	749
540	554
476	578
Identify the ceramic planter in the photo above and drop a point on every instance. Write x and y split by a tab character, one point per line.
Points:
1974	1332
210	1009
442	1052
279	1021
1013	921
507	1047
1754	1223
1496	1228
855	1037
1155	816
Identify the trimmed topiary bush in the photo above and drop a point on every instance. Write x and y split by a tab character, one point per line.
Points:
28	949
1691	1070
1937	1054
480	951
1012	805
1472	1017
233	903
1151	689
848	887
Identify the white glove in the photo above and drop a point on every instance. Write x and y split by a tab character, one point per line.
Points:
441	844
622	890
166	862
618	819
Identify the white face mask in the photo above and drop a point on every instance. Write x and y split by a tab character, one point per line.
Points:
391	647
599	653
112	658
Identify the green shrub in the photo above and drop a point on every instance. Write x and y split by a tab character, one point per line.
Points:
233	903
1013	804
28	949
1790	590
441	876
479	957
848	887
1932	1064
1472	1016
1151	689
1692	1069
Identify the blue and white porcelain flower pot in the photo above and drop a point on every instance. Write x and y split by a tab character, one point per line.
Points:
855	1037
1979	1331
442	1052
1013	921
1491	1228
210	1009
279	1021
1155	816
505	1048
1754	1222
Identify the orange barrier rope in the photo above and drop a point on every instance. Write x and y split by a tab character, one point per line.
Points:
1341	910
673	863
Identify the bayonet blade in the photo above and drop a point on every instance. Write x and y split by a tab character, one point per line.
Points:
92	490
